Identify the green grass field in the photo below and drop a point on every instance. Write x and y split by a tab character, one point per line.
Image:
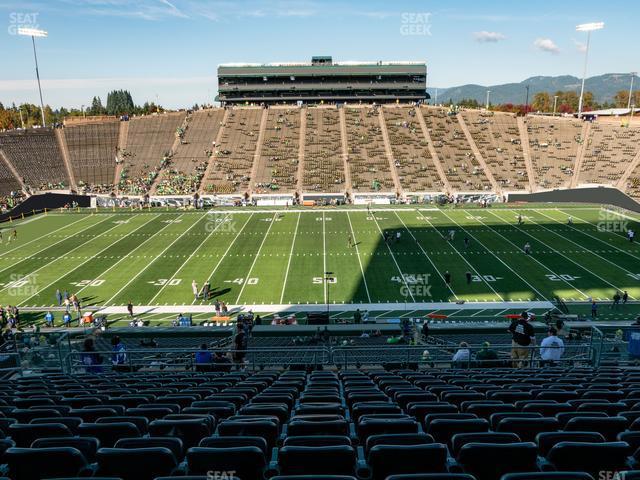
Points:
273	257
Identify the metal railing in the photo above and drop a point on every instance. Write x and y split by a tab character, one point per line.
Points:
156	359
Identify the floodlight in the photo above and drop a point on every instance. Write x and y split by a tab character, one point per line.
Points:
32	32
589	27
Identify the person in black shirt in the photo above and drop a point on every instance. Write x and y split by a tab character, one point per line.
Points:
522	338
468	276
240	345
447	277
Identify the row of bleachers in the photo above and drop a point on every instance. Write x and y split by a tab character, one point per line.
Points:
608	152
93	151
553	146
497	137
368	163
36	156
461	168
149	142
189	162
323	160
376	424
233	157
277	168
413	162
8	182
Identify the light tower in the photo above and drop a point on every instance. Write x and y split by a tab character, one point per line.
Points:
586	27
33	33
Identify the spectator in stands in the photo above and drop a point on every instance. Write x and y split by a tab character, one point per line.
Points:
551	348
462	357
425	330
357	317
48	318
91	360
240	346
203	358
119	356
522	337
221	362
486	356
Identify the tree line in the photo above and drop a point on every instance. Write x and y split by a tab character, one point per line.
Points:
119	102
567	102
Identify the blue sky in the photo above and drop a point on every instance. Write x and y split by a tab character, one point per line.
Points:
170	48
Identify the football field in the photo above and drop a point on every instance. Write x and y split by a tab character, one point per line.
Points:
281	257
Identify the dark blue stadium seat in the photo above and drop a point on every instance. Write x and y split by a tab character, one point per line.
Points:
385	460
136	463
39	463
589	457
245	461
330	460
489	461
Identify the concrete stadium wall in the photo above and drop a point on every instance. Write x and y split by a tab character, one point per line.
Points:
37	204
598	195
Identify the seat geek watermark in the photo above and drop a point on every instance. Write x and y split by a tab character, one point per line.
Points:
221	475
415	24
611	222
18	20
221	223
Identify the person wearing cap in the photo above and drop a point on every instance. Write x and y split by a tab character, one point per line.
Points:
486	356
522	337
551	348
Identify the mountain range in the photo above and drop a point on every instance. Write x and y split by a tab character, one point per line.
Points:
604	87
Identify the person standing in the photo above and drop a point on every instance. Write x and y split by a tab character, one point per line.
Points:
58	297
357	317
625	298
594	309
194	289
119	355
130	309
468	277
48	318
551	348
522	337
91	360
447	277
206	286
527	248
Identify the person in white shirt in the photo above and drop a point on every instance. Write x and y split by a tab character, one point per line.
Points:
462	357
551	348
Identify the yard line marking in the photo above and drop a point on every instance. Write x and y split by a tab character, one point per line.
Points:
496	256
534	259
355	242
393	257
587	249
75	267
226	252
154	259
273	220
479	312
84	217
592	236
533	237
293	243
324	259
33	255
73	249
463	258
189	257
408	313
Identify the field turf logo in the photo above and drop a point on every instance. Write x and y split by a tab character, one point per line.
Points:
611	222
415	24
18	20
220	222
22	285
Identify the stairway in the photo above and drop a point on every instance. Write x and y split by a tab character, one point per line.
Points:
62	143
389	152
526	153
345	153
432	151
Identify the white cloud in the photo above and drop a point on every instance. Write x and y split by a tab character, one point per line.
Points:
488	37
546	45
581	47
